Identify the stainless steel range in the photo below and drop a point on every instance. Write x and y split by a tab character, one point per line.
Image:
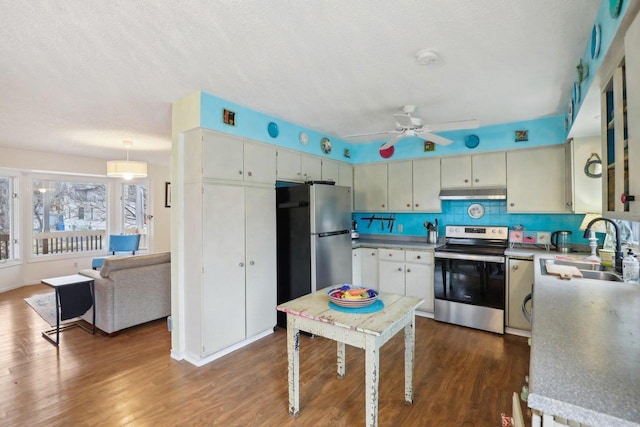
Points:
469	278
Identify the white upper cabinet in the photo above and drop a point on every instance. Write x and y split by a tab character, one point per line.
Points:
370	187
330	171
536	180
400	186
298	167
621	129
426	185
478	170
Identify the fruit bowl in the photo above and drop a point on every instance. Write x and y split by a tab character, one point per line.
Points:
352	296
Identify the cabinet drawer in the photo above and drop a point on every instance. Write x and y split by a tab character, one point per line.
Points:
391	255
419	257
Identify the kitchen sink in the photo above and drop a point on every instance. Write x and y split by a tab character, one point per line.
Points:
582	265
589	270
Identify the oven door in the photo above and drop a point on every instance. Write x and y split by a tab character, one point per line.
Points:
470	290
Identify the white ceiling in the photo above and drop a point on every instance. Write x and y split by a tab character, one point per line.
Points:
79	76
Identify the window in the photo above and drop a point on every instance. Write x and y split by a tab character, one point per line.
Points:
8	219
134	205
68	216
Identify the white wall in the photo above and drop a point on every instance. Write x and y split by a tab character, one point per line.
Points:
25	164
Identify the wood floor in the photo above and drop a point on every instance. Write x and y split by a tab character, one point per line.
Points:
462	377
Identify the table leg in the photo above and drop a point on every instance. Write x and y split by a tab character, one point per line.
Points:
409	349
342	359
372	362
293	359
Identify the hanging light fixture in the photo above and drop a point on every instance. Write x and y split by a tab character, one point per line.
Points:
126	169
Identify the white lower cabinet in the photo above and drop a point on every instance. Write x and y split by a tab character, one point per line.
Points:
519	281
230	265
365	267
407	272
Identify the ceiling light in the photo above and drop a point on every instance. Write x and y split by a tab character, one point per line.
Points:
126	169
428	57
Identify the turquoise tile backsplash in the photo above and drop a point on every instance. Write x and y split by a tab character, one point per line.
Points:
455	212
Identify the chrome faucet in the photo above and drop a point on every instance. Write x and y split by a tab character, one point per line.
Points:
618	255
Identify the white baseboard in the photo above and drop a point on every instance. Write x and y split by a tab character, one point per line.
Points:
201	361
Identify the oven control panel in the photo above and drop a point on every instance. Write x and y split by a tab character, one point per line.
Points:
477	232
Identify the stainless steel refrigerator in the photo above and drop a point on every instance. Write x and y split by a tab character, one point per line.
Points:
314	239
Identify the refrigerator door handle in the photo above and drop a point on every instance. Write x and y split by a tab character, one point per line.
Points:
333	233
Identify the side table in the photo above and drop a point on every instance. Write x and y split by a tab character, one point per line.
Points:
66	281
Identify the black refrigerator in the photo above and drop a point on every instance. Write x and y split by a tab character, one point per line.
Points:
313	239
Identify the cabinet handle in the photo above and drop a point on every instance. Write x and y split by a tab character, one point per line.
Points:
390	254
373	254
408	205
241	264
408	270
400	269
476	180
239	172
417	205
249	173
418	257
466	180
251	263
515	267
512	204
383	205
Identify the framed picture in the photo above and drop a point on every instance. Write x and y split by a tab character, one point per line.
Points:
522	135
429	146
167	194
229	117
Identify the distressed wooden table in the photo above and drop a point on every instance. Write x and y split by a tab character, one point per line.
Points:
311	313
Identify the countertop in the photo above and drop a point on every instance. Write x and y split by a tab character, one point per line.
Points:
411	243
585	351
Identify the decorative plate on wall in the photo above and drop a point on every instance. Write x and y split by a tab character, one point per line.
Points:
385	154
303	138
273	130
614	8
476	211
471	141
595	41
325	145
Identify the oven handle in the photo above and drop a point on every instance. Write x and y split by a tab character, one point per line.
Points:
470	257
525	312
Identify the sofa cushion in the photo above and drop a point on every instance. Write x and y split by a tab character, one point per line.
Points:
121	263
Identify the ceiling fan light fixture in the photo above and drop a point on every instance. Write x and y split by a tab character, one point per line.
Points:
428	57
126	169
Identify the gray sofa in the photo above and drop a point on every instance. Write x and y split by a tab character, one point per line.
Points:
131	290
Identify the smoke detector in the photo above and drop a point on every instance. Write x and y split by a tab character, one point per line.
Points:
428	57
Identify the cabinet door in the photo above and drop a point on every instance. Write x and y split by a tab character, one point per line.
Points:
330	171
259	163
426	185
455	172
288	163
370	187
535	180
223	293
631	176
223	156
489	170
520	283
345	175
311	168
356	266
369	261
400	186
260	238
391	277
419	283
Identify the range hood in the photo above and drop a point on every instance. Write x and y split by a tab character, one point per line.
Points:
493	193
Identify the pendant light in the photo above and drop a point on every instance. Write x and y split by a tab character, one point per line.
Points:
126	169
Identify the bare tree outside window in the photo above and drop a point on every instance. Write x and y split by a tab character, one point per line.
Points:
134	204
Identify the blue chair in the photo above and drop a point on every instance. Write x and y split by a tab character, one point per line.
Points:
119	243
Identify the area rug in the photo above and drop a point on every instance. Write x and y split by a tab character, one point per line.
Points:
45	306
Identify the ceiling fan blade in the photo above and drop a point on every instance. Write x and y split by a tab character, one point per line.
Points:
392	141
404	120
435	138
457	125
370	134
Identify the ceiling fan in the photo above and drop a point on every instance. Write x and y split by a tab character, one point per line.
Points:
407	126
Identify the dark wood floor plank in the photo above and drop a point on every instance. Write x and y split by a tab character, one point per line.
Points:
462	377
